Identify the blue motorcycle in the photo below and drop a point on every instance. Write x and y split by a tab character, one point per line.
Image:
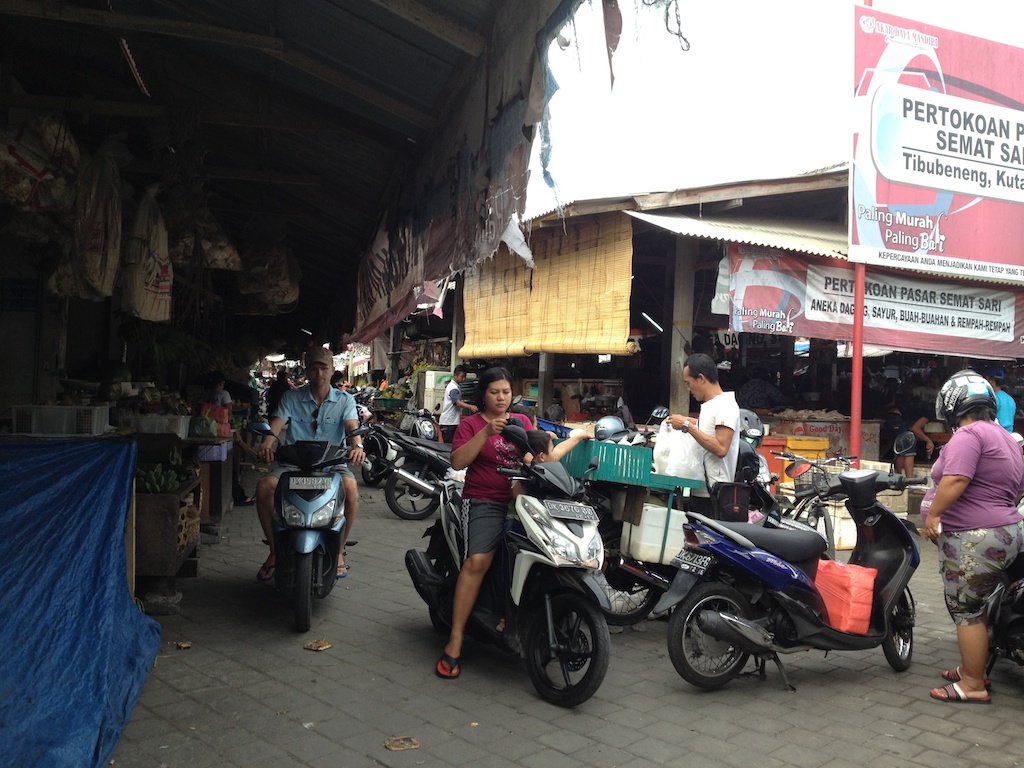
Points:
744	590
309	515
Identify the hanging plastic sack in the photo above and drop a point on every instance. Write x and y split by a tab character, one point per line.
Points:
38	162
217	250
97	251
148	274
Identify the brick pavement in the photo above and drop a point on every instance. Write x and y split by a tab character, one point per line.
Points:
247	694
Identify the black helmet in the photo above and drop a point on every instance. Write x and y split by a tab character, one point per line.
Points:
609	427
751	428
963	391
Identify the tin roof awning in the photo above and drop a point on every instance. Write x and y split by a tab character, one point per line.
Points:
822	238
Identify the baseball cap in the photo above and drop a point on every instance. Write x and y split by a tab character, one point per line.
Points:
319	355
996	373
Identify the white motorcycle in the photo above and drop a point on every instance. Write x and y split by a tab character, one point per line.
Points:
541	598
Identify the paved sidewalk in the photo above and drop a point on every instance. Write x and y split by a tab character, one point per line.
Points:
247	693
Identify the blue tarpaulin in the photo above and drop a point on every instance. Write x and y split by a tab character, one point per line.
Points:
76	649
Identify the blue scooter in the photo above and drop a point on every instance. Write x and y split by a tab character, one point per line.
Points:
309	515
745	590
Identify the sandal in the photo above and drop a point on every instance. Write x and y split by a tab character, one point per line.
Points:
953	694
265	573
447	667
953	676
342	571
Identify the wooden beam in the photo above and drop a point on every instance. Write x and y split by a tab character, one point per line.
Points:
234	174
207	115
56	10
437	25
836	180
832	180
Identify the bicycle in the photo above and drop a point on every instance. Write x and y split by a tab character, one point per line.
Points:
811	491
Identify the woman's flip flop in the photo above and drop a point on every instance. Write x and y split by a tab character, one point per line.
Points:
265	573
953	676
953	694
447	667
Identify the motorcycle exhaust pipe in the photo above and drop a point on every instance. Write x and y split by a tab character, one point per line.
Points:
624	566
418	483
737	631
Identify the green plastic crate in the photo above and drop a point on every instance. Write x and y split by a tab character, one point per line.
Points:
628	464
671	482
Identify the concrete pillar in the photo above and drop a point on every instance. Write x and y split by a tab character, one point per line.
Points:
682	321
545	381
458	325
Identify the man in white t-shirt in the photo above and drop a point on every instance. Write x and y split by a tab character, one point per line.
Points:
451	403
715	430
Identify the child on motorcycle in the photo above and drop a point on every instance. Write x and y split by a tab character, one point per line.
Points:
543	447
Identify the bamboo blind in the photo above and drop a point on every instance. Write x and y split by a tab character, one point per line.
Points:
574	301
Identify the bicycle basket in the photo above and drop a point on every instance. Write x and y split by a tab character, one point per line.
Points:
809	479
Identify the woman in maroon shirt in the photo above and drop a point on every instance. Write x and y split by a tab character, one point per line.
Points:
479	449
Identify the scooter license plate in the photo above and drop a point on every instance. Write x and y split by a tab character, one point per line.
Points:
692	562
309	483
569	510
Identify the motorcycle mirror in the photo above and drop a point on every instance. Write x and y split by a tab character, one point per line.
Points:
517	400
660	412
260	428
797	468
905	444
515	434
359	431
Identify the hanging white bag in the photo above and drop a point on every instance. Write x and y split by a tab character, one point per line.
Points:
685	457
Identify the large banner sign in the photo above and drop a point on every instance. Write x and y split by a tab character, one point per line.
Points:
938	171
780	293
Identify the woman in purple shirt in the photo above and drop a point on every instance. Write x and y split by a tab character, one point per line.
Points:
978	478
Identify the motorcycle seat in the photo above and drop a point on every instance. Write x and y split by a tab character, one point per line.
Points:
432	444
791	546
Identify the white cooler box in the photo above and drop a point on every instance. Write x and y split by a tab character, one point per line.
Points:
659	536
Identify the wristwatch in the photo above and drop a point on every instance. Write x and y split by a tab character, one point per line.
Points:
686	426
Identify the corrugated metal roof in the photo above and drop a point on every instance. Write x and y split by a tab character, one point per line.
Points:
302	114
822	238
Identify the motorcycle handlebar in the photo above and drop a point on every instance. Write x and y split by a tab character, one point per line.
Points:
512	473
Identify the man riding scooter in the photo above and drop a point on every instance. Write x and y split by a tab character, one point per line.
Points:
316	411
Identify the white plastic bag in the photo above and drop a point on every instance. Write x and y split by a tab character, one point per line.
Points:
667	438
678	454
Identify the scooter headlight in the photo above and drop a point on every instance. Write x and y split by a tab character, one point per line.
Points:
562	547
595	552
293	517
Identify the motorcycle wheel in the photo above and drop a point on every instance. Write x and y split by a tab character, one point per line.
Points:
303	591
898	645
630	602
408	502
700	659
572	671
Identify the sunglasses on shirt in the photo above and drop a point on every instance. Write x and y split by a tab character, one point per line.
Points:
316	413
